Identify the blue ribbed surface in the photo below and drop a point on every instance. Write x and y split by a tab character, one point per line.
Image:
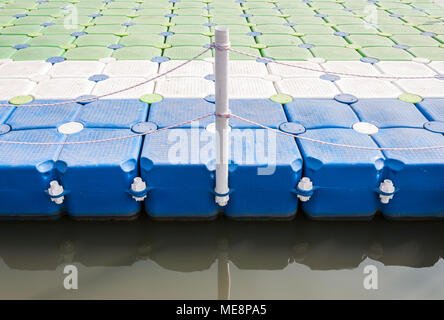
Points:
265	167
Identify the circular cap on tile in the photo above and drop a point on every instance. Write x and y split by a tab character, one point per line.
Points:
70	127
166	33
211	98
34	34
428	34
21	100
266	60
85	99
151	98
329	77
383	34
210	77
395	15
160	59
298	34
341	34
292	128
115	46
121	34
68	46
306	45
365	128
163	46
369	60
21	46
321	15
78	34
435	126
401	46
170	15
128	24
440	76
98	77
258	46
410	97
254	34
281	98
246	15
346	98
211	127
144	127
209	24
289	24
4	128
54	60
20	15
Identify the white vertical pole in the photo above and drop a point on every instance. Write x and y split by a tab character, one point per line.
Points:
222	42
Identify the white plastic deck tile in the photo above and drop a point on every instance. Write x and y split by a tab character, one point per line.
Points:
350	67
307	88
427	88
438	66
405	68
62	88
249	88
185	88
69	69
368	88
246	69
191	69
288	72
114	84
23	69
131	68
10	88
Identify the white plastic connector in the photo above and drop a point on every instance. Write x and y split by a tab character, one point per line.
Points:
138	185
387	187
55	190
305	184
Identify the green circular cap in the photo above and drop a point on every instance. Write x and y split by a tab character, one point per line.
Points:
5	25
441	45
298	34
208	34
21	100
168	24
56	16
121	34
34	34
151	98
353	46
67	46
207	16
331	25
281	98
410	97
284	16
89	24
133	15
382	34
258	46
250	24
163	46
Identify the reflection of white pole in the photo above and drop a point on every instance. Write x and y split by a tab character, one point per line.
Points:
222	43
223	271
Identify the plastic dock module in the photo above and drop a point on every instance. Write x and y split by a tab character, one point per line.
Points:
341	181
88	180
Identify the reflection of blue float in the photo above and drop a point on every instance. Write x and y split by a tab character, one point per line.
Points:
99	180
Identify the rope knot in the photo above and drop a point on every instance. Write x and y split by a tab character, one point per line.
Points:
225	46
223	115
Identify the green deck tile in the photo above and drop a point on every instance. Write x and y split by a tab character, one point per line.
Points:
147	28
188	40
416	40
150	20
60	29
314	29
335	53
241	40
185	53
279	40
102	40
238	28
6	52
31	20
345	20
189	20
370	40
119	12
25	29
357	29
187	29
36	53
137	53
189	12
11	40
111	20
238	56
323	40
45	12
105	29
51	40
287	53
267	20
398	29
228	20
387	53
433	53
273	29
436	28
88	53
142	40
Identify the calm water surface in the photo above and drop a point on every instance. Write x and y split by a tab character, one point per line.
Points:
221	259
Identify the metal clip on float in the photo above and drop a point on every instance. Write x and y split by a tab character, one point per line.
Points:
56	191
305	189
386	191
138	189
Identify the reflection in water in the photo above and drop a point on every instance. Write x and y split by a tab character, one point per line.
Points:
189	247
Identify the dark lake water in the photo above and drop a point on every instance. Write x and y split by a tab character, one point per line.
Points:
299	259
